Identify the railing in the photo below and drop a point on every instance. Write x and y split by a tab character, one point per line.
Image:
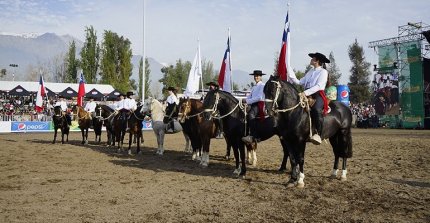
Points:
21	118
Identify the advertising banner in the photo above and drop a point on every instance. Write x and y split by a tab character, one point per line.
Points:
30	126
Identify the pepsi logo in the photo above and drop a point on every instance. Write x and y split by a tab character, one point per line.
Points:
344	94
21	126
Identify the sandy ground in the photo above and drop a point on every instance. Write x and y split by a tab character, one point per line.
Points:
388	181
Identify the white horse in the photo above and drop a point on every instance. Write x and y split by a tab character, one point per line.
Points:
156	109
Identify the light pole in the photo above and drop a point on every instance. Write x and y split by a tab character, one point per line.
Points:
14	68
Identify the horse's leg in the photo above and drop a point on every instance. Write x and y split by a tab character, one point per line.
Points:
55	135
228	149
300	181
236	157
130	139
252	153
285	157
161	144
205	155
242	159
335	167
138	136
83	136
187	143
62	136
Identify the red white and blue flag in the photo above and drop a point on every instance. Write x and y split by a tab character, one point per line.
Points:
224	78
284	56
41	92
81	90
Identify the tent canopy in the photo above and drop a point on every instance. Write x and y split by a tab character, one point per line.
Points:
69	93
19	91
113	96
94	93
49	92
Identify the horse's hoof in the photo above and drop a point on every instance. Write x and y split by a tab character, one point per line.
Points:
254	164
300	185
53	142
282	169
227	158
291	183
236	171
332	176
343	178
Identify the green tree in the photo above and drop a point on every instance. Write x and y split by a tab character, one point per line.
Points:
72	64
147	80
2	72
175	76
90	55
360	72
333	71
116	62
208	71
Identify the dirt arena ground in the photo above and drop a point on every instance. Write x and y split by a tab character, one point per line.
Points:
388	181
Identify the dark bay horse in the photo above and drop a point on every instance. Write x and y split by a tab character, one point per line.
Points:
60	122
98	123
293	123
84	121
197	128
135	124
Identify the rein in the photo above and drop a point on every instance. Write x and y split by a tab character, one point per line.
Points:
185	114
215	108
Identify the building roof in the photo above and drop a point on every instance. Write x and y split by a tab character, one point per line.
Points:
33	86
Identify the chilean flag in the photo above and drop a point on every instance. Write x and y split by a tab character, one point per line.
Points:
81	90
224	78
41	92
284	56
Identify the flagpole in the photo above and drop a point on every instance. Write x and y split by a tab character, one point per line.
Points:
231	70
144	55
199	62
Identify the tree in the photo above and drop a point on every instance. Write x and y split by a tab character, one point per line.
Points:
116	62
147	81
2	73
208	71
175	76
90	55
72	64
333	71
359	79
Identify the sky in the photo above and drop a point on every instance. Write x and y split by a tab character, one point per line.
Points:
173	27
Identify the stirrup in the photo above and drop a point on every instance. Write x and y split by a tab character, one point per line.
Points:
248	139
316	139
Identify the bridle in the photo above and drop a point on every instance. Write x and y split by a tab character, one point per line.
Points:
214	110
303	102
184	115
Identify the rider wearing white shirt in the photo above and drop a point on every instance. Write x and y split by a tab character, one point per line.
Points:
91	106
256	101
120	103
64	107
129	106
171	100
314	83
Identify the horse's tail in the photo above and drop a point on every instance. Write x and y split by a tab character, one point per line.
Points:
348	137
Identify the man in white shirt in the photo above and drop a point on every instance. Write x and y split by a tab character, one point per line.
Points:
120	103
172	101
256	100
314	82
63	104
129	106
90	107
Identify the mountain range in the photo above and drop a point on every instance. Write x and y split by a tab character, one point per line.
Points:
33	51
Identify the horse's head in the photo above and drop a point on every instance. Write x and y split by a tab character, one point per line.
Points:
210	104
57	111
184	109
272	90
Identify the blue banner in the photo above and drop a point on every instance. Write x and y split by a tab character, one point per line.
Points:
30	126
147	125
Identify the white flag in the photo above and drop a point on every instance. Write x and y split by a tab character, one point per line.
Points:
195	75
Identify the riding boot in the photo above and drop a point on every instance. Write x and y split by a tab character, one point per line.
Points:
317	121
252	137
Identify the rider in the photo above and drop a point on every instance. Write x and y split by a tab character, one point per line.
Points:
314	82
91	108
129	106
212	86
120	103
172	99
64	107
256	101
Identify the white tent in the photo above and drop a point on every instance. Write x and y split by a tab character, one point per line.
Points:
55	87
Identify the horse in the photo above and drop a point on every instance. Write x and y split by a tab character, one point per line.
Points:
202	130
98	123
292	119
60	122
135	124
108	115
155	109
84	121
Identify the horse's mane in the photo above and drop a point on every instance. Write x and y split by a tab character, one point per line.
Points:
106	107
157	112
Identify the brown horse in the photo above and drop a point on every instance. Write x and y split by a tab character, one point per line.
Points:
84	121
199	129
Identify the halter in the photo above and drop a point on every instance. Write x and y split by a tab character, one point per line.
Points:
303	102
87	114
187	110
214	109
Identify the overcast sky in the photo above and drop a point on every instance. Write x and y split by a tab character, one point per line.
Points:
173	26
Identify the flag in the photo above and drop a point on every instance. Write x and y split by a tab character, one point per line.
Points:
81	90
41	92
194	75
284	55
224	78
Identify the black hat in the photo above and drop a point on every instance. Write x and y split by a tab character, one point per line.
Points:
212	83
320	57
258	73
130	93
171	89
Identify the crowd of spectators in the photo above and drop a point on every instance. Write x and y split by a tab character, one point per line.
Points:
364	116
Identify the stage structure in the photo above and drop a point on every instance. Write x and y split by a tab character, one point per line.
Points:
401	78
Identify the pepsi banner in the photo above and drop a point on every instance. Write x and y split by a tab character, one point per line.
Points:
343	94
147	125
30	126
